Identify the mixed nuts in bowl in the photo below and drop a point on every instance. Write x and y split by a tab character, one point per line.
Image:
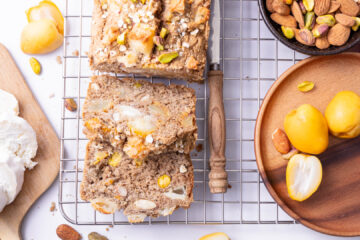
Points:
314	27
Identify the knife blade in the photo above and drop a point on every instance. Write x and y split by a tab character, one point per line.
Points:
216	118
215	36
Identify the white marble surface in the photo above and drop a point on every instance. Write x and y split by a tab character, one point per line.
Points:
40	223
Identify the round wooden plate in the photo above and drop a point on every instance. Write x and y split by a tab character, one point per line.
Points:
335	208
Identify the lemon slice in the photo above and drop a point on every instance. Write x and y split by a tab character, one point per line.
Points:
303	176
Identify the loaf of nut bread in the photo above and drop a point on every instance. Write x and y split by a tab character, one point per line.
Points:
140	117
167	38
154	187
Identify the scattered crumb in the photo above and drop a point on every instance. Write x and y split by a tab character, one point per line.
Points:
74	167
111	226
199	147
52	95
75	53
58	60
52	207
229	186
86	53
107	229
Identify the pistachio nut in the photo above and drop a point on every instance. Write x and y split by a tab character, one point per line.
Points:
357	24
305	86
309	20
96	236
163	32
306	37
288	32
168	57
159	42
121	39
35	65
320	30
309	5
326	19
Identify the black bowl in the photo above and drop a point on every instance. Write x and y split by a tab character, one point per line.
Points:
295	45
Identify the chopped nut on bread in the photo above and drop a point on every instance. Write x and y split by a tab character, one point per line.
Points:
139	117
136	189
125	37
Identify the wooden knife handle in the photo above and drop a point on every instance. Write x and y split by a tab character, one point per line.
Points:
218	176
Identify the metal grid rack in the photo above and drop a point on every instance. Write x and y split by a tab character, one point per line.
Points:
251	59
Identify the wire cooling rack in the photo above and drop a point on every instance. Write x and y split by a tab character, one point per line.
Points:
251	59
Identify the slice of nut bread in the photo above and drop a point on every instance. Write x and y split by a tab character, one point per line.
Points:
140	117
154	187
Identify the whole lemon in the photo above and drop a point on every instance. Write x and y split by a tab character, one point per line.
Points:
307	129
343	115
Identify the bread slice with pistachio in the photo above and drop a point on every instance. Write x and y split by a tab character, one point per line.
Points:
153	187
167	38
140	117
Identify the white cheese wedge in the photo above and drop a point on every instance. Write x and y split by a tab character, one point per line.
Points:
8	103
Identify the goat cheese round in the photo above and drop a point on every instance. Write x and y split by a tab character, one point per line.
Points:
18	146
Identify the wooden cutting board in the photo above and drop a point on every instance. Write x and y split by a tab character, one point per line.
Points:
335	207
41	177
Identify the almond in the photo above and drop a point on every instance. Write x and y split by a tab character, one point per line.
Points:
345	20
322	7
65	232
322	42
334	6
338	35
269	5
280	7
281	141
287	21
296	11
70	104
349	7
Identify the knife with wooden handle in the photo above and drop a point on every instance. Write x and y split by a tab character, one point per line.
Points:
218	177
